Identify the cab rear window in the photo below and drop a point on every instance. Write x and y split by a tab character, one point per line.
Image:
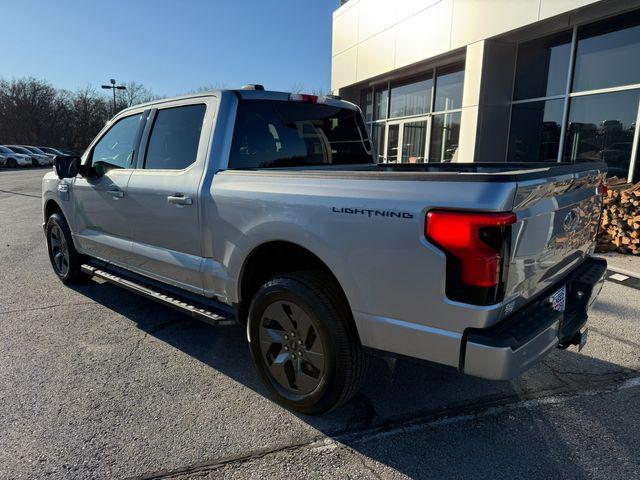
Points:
294	134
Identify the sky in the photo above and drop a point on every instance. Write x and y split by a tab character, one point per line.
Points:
171	47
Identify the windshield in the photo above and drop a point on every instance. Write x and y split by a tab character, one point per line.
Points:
5	149
292	134
20	150
37	150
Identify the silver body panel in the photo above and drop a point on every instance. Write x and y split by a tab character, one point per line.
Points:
394	279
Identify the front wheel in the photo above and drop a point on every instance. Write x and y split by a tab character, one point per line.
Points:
65	260
304	344
11	163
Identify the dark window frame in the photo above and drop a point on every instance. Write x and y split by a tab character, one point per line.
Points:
432	73
149	136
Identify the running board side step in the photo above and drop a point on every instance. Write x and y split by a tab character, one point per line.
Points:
202	314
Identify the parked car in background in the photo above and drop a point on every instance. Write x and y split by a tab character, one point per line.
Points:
11	159
52	151
68	151
42	157
24	151
39	151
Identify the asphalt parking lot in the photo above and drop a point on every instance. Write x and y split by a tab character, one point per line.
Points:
96	382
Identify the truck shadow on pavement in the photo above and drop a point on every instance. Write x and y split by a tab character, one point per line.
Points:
421	419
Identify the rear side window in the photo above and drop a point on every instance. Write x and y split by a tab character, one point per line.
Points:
115	148
292	134
173	144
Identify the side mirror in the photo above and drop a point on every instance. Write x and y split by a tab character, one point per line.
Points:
67	166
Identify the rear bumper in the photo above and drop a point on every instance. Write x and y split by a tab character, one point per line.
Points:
507	349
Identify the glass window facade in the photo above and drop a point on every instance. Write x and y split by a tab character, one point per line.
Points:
414	136
543	66
417	119
366	103
449	86
602	127
411	98
535	131
445	133
583	111
607	54
377	138
381	103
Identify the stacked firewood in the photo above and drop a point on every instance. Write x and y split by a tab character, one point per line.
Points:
620	221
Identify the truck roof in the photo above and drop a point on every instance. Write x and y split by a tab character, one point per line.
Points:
249	94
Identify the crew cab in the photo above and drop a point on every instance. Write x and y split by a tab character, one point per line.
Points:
268	209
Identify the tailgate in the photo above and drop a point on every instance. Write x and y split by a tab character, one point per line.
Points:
557	222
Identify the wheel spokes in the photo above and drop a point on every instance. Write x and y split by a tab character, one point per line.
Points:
278	368
55	242
59	250
315	359
302	321
276	314
292	347
58	260
273	336
305	382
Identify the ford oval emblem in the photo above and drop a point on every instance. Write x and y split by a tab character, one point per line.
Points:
570	221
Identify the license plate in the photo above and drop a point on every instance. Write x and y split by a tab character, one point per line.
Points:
558	300
583	338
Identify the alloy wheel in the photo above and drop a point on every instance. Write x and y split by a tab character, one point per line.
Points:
291	347
59	251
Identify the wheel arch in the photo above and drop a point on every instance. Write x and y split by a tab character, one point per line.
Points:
274	258
51	207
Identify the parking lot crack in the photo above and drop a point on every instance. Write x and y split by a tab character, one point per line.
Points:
21	194
467	413
369	468
47	307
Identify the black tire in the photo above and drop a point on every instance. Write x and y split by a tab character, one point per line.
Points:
34	162
11	163
344	362
65	260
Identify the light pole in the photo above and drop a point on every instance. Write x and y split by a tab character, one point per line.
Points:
114	87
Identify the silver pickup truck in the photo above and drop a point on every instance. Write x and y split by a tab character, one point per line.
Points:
267	208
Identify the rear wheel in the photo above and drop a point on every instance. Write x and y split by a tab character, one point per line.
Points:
11	163
303	342
65	260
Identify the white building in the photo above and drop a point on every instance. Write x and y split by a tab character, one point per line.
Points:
493	80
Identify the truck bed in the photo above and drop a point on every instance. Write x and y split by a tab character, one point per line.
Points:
475	172
372	231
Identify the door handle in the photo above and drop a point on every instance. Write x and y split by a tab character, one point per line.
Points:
116	194
179	199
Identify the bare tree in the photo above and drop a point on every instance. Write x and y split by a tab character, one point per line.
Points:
134	94
297	87
208	87
33	112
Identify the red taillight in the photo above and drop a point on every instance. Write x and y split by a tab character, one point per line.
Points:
471	238
303	97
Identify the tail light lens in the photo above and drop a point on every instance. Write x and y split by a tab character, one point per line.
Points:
476	245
